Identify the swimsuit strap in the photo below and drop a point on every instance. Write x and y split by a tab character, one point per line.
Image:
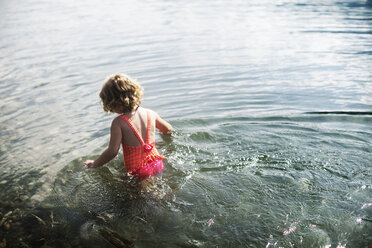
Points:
148	128
133	128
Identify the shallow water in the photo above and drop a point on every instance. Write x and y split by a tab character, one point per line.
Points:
270	102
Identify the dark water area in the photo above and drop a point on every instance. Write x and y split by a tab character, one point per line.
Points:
270	102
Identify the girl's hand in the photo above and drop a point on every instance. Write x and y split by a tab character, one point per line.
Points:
88	163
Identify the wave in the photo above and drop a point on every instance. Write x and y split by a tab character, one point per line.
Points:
340	112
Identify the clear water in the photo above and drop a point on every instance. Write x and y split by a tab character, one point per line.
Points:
270	100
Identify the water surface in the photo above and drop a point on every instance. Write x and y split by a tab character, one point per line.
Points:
270	102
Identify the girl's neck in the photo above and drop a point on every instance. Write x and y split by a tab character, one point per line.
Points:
132	113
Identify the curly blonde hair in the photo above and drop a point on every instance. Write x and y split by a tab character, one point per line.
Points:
120	93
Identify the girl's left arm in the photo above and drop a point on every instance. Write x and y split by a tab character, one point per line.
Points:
113	148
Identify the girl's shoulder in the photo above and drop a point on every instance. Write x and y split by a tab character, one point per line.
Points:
117	121
152	113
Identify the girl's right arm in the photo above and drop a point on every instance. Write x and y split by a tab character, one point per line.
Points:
162	125
113	148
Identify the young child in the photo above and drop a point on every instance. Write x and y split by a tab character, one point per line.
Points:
134	128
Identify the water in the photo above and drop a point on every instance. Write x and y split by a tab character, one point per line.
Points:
270	102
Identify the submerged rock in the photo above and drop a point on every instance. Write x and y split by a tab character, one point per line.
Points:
3	243
7	226
17	212
115	239
88	230
94	235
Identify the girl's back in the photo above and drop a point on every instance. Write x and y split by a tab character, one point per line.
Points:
139	120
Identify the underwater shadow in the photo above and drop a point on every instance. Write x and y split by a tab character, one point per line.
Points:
103	207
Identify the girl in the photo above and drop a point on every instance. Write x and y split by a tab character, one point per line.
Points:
134	128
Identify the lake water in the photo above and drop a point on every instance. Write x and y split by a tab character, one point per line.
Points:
271	102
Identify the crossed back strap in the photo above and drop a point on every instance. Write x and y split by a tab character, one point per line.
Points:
135	129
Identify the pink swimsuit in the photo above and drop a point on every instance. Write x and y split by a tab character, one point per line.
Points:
142	161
